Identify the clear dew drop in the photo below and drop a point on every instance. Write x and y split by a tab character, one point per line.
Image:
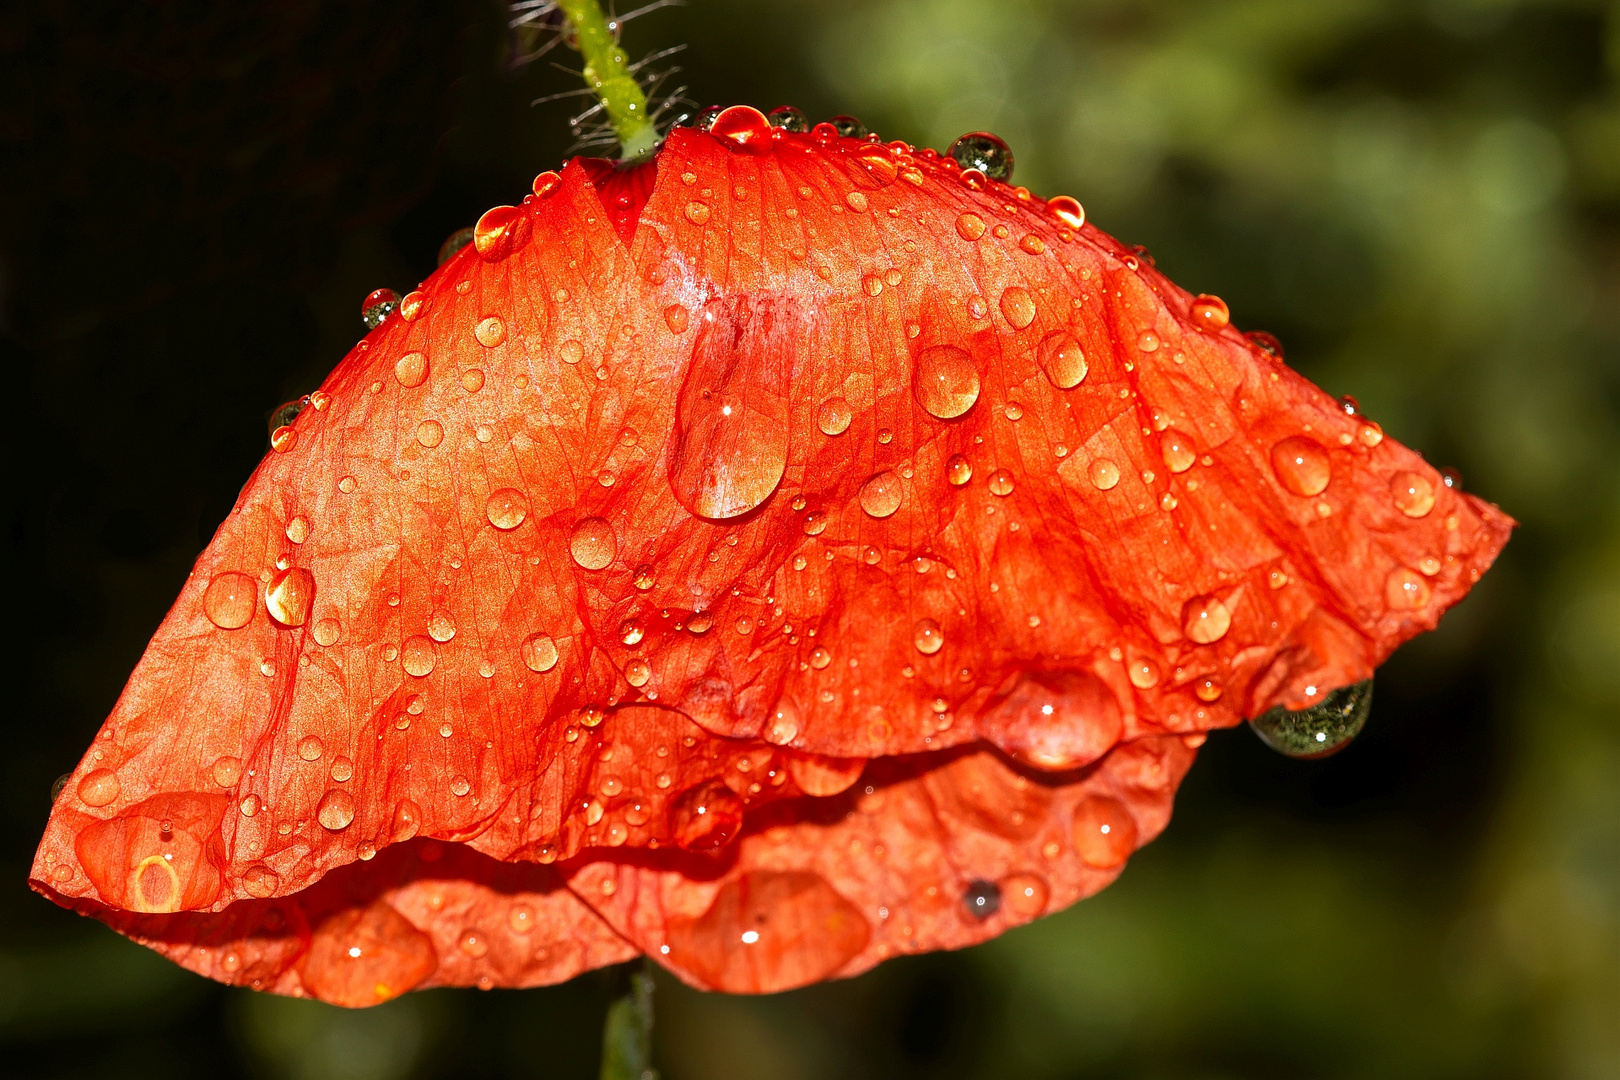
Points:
1104	831
1302	465
970	226
982	899
1413	494
539	652
881	495
1001	483
289	596
783	725
1209	313
1104	474
1017	306
697	212
1205	619
335	811
927	637
815	523
946	382
834	416
742	126
1062	359
490	331
342	769
98	788
411	370
310	748
1319	730
1177	451
226	770
298	529
637	672
1068	210
593	544
985	152
460	786
506	508
417	656
958	470
230	599
430	433
377	306
441	627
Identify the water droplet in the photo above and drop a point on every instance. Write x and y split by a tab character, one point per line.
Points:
289	596
820	657
1147	341
539	652
881	495
571	351
1413	494
848	126
744	127
227	770
985	152
1017	306
459	786
98	787
982	899
927	637
260	881
1320	729
1024	896
283	439
593	544
706	817
407	821
490	331
958	470
1104	474
348	485
472	380
871	284
857	201
732	415
500	231
411	369
377	306
310	748
834	416
441	627
1033	244
1061	357
413	306
1207	689
416	655
1104	831
506	508
545	183
677	318
1205	619
520	919
249	805
1405	590
1068	210
784	723
885	436
946	382
430	433
1301	465
1209	313
230	599
1144	674
637	671
342	769
700	623
335	810
645	577
787	118
1265	342
1177	450
1001	483
631	632
970	226
697	212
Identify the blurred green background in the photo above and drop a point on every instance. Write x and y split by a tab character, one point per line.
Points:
1421	199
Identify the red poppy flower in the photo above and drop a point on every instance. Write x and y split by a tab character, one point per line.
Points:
784	554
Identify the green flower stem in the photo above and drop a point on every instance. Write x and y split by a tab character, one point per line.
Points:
609	76
627	1034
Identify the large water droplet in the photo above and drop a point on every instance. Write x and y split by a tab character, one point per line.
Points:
1104	474
430	433
1205	619
593	544
1209	313
970	226
788	118
1405	590
958	470
1062	358
1104	831
637	671
500	231
834	416
441	627
1017	306
983	151
98	787
416	655
377	306
1413	494
1055	720
706	817
335	810
1025	895
982	899
1318	730
743	127
364	956
782	727
881	495
407	821
1302	465
490	331
411	369
1068	210
732	415
1177	451
927	637
310	748
946	382
230	599
327	632
769	930
290	595
506	508
227	770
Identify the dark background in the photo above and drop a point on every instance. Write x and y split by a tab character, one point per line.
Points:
1421	199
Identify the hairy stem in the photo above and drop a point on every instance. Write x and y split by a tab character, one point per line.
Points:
627	1033
608	74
